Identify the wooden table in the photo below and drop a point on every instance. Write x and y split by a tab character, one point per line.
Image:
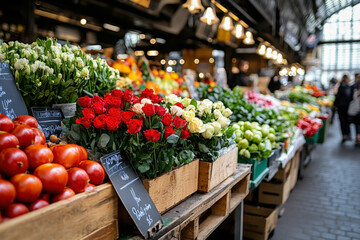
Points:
199	215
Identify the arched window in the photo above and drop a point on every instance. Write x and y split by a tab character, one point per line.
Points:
340	51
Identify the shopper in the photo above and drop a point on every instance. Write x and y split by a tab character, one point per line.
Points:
354	107
274	83
240	79
342	101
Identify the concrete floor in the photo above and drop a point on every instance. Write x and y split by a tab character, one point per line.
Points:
326	203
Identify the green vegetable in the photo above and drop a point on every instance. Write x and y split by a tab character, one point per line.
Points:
245	153
243	144
249	135
272	137
248	126
265	130
257	138
253	148
261	146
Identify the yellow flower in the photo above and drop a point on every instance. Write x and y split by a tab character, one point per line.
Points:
188	115
208	132
195	125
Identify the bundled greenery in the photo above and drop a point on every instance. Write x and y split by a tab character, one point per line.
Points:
47	73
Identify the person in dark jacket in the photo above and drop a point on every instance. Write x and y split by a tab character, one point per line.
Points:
240	78
274	83
342	101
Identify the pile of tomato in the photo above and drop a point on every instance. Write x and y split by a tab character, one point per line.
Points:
33	175
309	126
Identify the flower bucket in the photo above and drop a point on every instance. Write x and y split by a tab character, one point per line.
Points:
68	109
171	188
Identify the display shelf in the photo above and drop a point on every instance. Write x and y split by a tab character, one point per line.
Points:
198	216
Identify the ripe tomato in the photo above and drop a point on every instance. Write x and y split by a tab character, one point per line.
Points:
45	196
40	203
1	219
5	123
94	170
89	187
29	120
12	162
8	140
83	153
25	134
68	155
37	155
28	187
53	177
66	193
78	179
7	193
15	210
39	136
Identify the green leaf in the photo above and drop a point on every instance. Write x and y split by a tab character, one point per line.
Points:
193	102
172	138
203	148
186	156
144	168
229	132
75	136
104	140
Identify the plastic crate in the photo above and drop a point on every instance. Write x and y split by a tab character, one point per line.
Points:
257	168
322	131
312	140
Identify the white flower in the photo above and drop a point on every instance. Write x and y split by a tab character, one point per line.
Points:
217	114
50	70
219	105
38	84
27	53
195	125
227	112
16	56
20	63
172	98
188	115
27	69
2	56
217	127
190	108
11	43
85	73
95	65
59	76
223	121
146	100
78	74
207	103
137	108
208	131
79	62
57	61
176	110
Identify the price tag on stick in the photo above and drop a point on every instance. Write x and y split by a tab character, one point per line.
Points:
132	194
11	102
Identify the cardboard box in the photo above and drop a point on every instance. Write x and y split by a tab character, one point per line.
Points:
259	222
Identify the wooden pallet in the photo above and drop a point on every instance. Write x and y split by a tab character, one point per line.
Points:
198	216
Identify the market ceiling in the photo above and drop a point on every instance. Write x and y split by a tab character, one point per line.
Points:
284	23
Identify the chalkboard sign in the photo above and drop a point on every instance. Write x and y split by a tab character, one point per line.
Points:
11	102
49	120
132	193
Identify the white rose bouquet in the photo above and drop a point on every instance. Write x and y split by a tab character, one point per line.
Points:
207	122
47	72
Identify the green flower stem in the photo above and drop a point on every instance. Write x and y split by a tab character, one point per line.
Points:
137	135
150	121
156	167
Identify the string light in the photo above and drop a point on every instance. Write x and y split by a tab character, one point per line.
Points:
268	52
162	61
249	40
211	60
279	58
226	23
153	41
193	6
238	31
196	61
83	21
274	54
182	61
261	49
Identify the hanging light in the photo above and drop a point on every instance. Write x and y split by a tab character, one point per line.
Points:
261	49
279	58
248	40
268	52
194	6
225	27
209	16
238	31
274	54
226	23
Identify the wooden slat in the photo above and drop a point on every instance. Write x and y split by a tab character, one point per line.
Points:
212	174
191	231
109	232
239	192
222	207
209	225
171	188
73	218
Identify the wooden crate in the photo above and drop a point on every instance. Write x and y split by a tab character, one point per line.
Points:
173	187
259	222
276	191
89	215
212	174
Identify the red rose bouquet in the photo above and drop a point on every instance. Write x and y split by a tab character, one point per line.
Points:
154	140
